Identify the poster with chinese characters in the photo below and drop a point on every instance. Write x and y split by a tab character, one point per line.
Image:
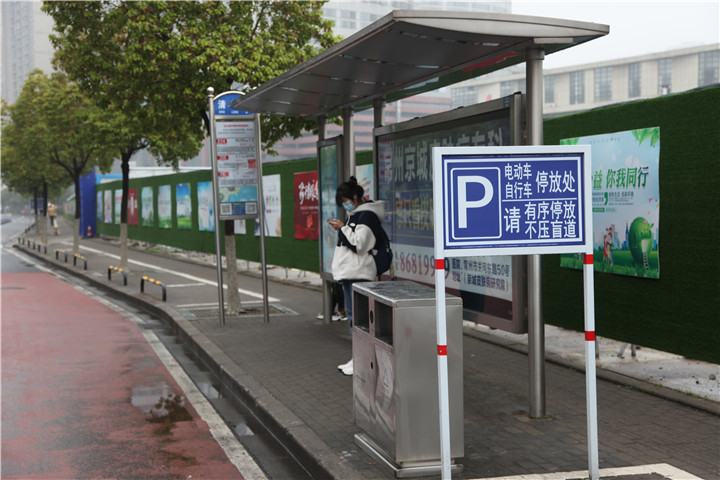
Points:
183	206
305	188
132	215
237	169
625	201
147	201
405	182
118	205
364	175
107	201
99	203
329	168
164	207
273	206
206	214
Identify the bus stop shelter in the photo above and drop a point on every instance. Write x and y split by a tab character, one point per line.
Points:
408	52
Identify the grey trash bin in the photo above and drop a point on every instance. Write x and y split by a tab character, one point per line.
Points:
395	382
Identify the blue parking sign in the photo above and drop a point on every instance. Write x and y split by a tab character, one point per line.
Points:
513	200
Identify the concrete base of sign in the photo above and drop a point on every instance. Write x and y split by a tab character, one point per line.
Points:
407	469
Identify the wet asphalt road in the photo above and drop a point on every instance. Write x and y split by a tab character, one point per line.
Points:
80	388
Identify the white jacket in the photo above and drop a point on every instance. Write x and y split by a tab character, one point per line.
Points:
359	264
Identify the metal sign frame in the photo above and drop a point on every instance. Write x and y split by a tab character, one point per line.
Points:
451	194
246	138
231	114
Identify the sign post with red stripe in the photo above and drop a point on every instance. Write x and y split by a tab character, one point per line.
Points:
526	200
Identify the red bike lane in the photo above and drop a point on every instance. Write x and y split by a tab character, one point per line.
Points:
78	381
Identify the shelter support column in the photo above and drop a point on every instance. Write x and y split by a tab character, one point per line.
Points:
326	284
379	112
348	141
536	324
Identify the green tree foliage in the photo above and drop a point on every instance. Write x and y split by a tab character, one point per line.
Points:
159	57
55	134
149	64
27	169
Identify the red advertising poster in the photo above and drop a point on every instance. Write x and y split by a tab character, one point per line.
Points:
132	217
306	205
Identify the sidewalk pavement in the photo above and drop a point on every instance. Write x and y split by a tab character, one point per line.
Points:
285	370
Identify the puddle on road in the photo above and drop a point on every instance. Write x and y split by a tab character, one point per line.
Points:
146	397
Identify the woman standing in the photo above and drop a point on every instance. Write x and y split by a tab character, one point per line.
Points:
352	261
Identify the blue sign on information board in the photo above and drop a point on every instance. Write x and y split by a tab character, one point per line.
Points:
223	101
514	198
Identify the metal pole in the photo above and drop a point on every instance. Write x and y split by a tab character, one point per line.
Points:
216	203
326	284
348	140
441	328
590	380
536	327
258	156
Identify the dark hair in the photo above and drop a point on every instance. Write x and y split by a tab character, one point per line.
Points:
349	189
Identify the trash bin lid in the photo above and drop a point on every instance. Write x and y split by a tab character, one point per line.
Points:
402	293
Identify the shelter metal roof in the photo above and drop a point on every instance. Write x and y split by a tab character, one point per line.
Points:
409	52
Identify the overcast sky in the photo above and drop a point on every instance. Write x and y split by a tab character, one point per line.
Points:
636	27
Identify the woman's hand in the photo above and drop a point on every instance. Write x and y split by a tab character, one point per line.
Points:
335	223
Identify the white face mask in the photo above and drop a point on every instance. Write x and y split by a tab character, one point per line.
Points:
348	206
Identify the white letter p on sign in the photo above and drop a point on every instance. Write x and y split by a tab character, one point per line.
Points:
464	204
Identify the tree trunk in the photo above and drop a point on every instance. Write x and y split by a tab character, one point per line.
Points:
125	167
76	221
43	234
233	301
35	206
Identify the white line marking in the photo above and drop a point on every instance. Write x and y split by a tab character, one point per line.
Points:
234	450
179	274
180	285
668	471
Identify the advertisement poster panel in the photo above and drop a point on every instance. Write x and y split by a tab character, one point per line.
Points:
164	207
237	169
108	210
364	175
183	206
273	207
405	183
118	204
148	208
305	189
99	210
625	201
132	216
328	182
206	214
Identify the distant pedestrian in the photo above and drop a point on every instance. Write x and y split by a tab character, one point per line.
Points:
352	261
53	222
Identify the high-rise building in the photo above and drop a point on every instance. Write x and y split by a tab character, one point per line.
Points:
582	87
25	44
352	15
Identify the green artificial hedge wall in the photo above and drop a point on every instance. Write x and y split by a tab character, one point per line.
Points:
679	312
285	251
